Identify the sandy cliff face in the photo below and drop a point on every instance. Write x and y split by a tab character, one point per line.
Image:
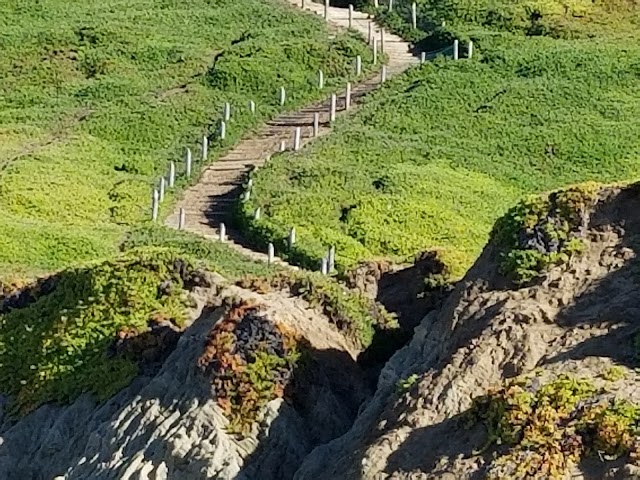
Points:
168	424
580	319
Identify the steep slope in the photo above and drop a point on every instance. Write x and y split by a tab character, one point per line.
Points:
578	315
172	422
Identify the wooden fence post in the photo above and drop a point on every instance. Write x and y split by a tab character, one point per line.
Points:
226	112
292	237
154	206
332	112
188	163
270	254
205	147
347	97
222	232
296	139
414	15
181	219
316	124
375	51
172	174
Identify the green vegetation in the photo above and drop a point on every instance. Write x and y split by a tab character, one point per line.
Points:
546	428
438	154
404	385
355	315
544	230
54	347
251	361
216	256
96	97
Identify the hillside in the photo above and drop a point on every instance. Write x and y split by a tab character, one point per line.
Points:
434	158
97	97
508	382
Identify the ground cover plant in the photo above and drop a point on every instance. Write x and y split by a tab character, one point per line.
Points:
54	341
437	155
96	97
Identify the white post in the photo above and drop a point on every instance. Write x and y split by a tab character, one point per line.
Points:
423	57
316	124
296	139
256	214
154	206
172	174
375	51
270	254
226	112
292	237
188	163
376	3
470	49
455	49
162	187
222	232
320	79
332	259
223	130
323	266
247	195
205	147
347	97
381	40
252	106
250	184
370	37
332	112
181	219
390	5
414	15
326	9
350	15
383	74
283	145
283	96
358	65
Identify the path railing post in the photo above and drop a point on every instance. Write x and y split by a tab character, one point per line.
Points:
323	266
358	65
270	254
256	214
350	16
283	145
188	163
296	139
470	49
316	124
332	112
162	189
414	15
223	130
326	9
375	51
252	107
181	219
283	96
370	36
320	79
332	259
205	147
376	3
154	205
390	5
226	112
172	174
222	232
455	49
292	237
381	40
347	97
383	74
423	57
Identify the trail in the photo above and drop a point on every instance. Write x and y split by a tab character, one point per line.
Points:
210	201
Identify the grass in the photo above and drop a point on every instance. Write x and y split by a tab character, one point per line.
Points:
437	155
96	97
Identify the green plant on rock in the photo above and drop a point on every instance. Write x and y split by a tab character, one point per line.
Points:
548	427
404	384
542	231
54	346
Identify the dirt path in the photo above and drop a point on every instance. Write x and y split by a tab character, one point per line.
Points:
209	203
